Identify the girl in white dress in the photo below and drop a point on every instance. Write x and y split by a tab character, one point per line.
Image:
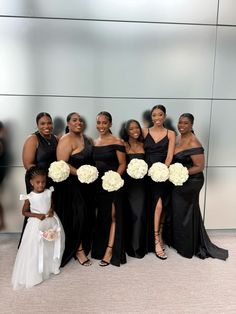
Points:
42	244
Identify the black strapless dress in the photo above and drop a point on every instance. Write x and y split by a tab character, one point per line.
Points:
75	206
156	152
44	156
106	159
135	213
189	236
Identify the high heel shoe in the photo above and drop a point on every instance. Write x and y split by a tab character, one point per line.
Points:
160	253
103	262
87	262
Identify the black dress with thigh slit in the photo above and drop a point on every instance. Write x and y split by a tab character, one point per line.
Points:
135	213
189	236
106	159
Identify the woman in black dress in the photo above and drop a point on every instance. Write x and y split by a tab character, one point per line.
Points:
75	200
159	145
135	193
108	154
189	236
39	150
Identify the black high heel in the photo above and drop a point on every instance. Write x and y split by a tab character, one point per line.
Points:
104	263
161	253
85	263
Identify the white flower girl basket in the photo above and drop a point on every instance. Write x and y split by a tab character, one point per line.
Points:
49	230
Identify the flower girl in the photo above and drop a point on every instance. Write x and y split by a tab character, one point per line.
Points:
42	244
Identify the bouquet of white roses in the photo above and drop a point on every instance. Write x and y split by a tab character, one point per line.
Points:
137	168
112	181
159	172
178	174
59	171
87	174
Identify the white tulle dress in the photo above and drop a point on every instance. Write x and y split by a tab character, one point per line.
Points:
40	253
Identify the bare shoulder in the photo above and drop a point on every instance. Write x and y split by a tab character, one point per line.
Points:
195	142
118	141
171	134
31	140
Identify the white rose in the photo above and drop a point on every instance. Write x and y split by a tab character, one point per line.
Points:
137	168
87	174
178	174
112	181
59	171
158	172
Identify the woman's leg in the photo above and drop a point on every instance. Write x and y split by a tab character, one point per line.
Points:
157	220
81	257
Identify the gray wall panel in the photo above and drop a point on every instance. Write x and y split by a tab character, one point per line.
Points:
227	12
181	11
220	198
222	148
225	70
105	58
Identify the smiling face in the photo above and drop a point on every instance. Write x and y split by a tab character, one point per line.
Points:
134	130
45	126
75	124
158	117
38	183
103	124
184	125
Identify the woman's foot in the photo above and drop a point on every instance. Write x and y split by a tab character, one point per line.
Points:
159	251
82	258
107	257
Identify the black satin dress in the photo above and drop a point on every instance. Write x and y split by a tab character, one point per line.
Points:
156	152
45	154
75	206
106	159
135	213
189	236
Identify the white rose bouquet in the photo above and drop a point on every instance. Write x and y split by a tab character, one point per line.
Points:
137	168
178	174
112	181
158	172
87	174
59	171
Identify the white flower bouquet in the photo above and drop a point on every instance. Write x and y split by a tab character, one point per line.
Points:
178	174
137	168
59	171
49	229
50	235
159	172
112	181
87	174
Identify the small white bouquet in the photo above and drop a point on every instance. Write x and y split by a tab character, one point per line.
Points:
87	174
159	172
59	171
112	181
49	229
137	168
50	234
178	174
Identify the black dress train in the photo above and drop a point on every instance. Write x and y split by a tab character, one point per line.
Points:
189	236
106	159
156	152
135	213
75	206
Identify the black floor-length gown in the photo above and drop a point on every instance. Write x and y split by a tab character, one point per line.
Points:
106	159
189	236
45	154
75	207
156	152
135	213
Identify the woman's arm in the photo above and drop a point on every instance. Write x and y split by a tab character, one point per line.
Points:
27	213
198	164
64	149
171	147
121	156
29	151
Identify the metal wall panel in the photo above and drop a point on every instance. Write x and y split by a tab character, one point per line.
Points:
222	148
56	57
225	69
220	198
181	11
227	12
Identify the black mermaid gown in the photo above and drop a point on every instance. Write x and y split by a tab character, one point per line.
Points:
135	213
75	206
44	156
189	236
106	159
156	152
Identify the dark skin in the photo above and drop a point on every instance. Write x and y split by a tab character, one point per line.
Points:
27	213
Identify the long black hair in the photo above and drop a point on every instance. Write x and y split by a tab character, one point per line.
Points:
124	133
